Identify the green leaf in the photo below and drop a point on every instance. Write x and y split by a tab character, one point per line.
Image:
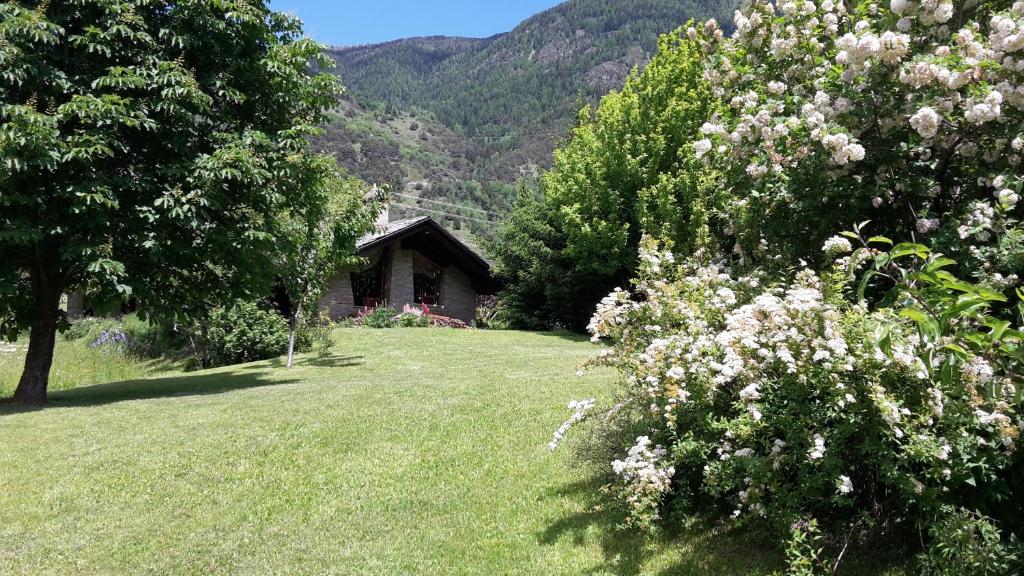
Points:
906	249
939	263
862	288
959	350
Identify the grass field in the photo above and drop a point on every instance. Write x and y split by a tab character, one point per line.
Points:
406	452
75	365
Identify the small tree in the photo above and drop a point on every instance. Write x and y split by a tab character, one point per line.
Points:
322	238
149	147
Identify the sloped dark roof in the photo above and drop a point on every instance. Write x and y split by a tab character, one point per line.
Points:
425	235
396	227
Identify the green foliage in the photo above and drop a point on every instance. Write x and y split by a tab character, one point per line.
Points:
804	549
87	328
627	170
148	340
966	543
413	320
243	332
314	335
383	317
148	149
489	316
870	398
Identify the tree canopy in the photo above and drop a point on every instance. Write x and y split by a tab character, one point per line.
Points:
147	147
628	169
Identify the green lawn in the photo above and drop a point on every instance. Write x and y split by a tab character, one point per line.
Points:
406	452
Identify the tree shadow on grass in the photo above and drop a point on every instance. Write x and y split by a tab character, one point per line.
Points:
700	546
316	362
565	335
197	384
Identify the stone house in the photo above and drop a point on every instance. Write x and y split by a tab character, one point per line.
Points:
411	262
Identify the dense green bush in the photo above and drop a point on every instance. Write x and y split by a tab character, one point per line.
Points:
383	317
87	328
243	332
413	320
314	335
968	543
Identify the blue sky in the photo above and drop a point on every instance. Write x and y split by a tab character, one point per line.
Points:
347	22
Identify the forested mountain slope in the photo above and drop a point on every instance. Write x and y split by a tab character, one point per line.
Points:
464	120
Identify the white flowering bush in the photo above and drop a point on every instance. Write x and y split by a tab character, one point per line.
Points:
833	384
907	113
792	401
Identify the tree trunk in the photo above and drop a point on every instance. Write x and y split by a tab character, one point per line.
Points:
293	332
46	313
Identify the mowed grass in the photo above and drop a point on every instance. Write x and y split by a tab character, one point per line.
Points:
405	452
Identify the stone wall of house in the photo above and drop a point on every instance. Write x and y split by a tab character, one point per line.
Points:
402	287
458	299
337	301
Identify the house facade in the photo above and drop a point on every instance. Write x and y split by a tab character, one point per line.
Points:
412	262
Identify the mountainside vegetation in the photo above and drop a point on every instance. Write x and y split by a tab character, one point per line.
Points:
465	121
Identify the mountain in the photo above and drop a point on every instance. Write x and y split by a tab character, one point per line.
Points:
463	121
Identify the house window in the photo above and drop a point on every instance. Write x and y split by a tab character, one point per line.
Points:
368	285
426	282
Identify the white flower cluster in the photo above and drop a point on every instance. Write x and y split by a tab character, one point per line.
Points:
817	451
645	476
610	312
926	121
725	342
978	222
837	245
845	485
806	83
580	410
1007	199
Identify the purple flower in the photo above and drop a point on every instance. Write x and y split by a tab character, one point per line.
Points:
113	338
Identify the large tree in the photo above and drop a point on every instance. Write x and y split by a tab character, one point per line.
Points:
628	169
147	146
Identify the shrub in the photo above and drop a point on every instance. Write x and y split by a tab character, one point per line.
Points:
87	328
383	317
413	320
966	543
314	336
243	332
490	315
787	403
147	339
